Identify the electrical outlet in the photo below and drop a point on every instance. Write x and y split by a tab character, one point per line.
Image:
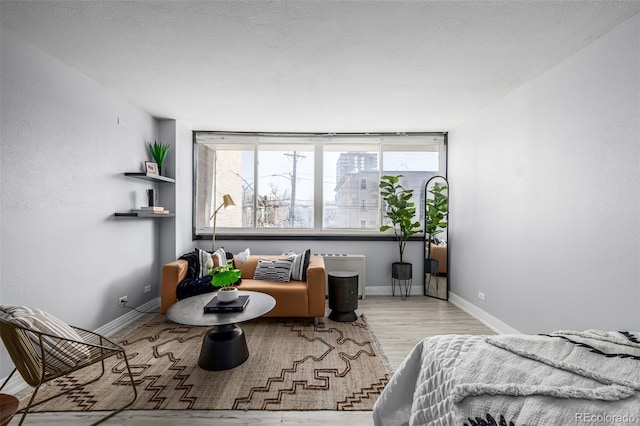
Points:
480	295
147	288
123	300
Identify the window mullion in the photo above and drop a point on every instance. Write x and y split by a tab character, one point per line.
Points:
318	186
256	184
381	205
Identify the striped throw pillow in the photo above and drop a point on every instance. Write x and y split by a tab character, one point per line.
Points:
273	269
219	257
300	265
68	353
203	258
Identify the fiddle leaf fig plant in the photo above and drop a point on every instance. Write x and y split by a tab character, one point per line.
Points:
399	209
435	215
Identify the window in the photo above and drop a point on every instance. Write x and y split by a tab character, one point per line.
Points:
224	168
345	166
285	185
416	167
306	184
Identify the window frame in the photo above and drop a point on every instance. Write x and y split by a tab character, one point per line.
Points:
318	232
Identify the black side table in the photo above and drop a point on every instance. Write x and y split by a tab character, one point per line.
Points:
343	296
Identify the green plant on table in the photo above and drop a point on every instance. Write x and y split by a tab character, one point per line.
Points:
158	151
400	210
224	275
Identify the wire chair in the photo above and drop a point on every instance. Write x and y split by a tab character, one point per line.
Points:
37	364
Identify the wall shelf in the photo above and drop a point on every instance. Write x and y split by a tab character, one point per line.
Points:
150	177
143	215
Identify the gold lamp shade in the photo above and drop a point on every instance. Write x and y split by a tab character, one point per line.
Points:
227	202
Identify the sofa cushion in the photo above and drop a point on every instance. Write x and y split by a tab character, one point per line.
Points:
292	298
274	269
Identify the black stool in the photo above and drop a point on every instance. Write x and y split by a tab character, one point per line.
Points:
343	296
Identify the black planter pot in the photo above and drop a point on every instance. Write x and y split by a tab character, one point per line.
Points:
401	270
401	275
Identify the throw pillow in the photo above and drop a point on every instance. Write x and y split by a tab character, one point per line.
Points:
273	269
69	353
300	265
203	258
219	257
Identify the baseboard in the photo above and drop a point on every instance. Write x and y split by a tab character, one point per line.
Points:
17	385
121	322
484	317
385	290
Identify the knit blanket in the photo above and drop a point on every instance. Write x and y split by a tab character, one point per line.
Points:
192	284
562	378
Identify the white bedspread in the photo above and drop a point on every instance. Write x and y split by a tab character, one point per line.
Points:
565	378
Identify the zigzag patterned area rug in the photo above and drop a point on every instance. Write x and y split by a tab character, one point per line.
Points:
292	366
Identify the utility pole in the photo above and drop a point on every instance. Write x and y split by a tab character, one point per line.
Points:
292	208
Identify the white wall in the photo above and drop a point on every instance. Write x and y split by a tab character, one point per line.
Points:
184	191
175	235
545	195
62	162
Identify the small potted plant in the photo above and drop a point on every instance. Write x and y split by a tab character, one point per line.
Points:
224	276
401	211
159	153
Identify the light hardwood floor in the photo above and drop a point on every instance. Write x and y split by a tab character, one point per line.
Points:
398	324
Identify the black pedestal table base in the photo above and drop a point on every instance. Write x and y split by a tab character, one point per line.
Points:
223	347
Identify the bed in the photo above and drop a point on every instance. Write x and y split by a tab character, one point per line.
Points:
561	378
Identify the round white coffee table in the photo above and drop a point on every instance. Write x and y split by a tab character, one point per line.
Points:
224	346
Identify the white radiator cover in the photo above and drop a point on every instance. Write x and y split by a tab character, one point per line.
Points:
347	262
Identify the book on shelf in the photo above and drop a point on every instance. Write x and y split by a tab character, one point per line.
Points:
150	212
154	208
215	306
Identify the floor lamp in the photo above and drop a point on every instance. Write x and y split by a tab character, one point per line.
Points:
227	203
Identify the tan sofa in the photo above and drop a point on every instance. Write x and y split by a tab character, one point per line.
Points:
293	299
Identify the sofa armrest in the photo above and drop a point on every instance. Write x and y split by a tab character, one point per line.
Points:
316	286
172	274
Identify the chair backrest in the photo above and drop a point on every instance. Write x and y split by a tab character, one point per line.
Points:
27	360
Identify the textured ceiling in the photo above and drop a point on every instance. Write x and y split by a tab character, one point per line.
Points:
326	66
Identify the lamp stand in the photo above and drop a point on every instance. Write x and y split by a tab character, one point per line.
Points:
214	216
213	239
227	203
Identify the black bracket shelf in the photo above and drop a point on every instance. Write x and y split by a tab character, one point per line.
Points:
150	177
143	215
